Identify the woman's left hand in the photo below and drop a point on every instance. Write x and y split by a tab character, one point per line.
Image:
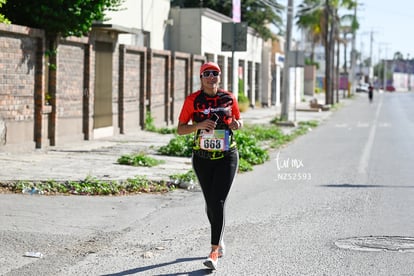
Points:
234	124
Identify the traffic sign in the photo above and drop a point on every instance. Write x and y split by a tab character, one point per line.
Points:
234	37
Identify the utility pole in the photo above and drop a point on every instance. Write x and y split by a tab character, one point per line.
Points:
385	71
408	72
379	62
371	70
353	58
286	69
370	59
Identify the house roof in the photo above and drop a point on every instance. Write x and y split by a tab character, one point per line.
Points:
113	28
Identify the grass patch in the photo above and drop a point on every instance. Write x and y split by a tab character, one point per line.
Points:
139	160
150	126
250	142
303	128
179	145
250	151
91	186
185	177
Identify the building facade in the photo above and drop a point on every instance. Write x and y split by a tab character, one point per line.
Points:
198	31
144	61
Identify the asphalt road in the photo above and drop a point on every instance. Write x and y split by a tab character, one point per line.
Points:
337	201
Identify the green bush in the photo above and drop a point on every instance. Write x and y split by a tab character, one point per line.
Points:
249	149
149	126
242	98
179	145
185	177
244	166
139	160
92	186
249	140
149	122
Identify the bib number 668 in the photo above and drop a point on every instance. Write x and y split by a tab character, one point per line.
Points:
212	144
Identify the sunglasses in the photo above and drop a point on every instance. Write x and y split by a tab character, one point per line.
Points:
208	73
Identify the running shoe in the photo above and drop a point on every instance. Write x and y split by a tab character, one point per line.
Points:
222	249
212	260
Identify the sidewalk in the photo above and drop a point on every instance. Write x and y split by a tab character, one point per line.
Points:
98	158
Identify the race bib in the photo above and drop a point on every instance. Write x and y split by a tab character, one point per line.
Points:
215	140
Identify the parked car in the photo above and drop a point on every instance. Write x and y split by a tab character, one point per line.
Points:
362	87
390	88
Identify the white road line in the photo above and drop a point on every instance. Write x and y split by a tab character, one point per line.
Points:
341	125
384	125
364	161
360	124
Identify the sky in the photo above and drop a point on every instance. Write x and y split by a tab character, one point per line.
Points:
391	23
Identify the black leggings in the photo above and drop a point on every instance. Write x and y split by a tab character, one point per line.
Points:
215	178
370	95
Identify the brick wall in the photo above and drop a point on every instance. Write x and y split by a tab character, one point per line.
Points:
18	46
142	79
69	91
159	87
132	88
181	81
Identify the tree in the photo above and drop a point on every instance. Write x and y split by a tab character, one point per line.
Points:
398	56
320	18
310	19
379	70
58	18
257	13
3	19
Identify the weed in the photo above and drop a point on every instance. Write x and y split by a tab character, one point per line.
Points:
141	184
185	177
150	126
178	146
244	166
166	130
149	122
249	140
264	132
249	148
91	186
139	159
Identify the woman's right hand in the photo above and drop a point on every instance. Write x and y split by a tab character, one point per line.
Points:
207	125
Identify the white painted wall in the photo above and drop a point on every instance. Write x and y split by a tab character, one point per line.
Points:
196	31
143	15
211	36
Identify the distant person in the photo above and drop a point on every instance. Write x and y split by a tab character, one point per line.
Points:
370	92
212	114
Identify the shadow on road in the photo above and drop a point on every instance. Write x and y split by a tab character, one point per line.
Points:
365	186
181	260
